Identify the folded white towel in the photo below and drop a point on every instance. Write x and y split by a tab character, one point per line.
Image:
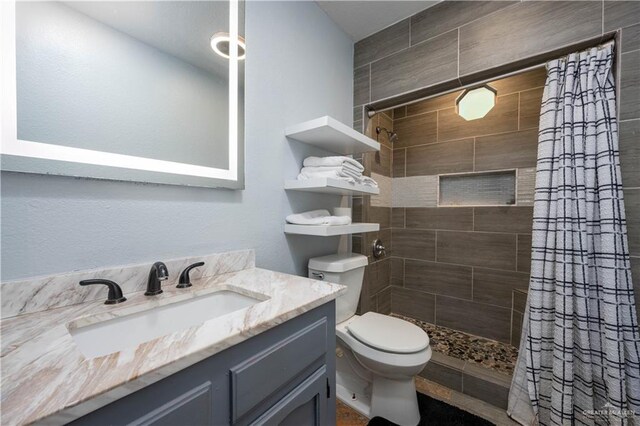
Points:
331	161
318	217
331	172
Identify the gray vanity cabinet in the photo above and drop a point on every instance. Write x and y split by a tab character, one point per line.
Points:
284	376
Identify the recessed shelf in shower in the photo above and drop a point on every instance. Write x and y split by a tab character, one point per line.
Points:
495	188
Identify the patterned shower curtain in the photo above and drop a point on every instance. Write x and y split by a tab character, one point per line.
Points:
579	352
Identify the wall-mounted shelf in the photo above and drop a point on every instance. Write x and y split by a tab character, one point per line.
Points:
330	134
329	186
330	231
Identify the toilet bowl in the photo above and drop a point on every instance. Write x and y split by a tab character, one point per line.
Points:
377	355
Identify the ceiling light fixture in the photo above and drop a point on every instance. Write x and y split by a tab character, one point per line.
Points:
220	44
476	103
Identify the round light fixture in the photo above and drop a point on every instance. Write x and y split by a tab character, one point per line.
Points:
476	103
220	44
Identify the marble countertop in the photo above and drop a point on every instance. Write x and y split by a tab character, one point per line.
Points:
46	379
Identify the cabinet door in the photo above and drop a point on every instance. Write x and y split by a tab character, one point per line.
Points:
305	405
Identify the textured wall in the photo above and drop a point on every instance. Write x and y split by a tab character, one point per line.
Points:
299	67
455	43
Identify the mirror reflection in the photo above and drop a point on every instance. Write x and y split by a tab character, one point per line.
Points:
137	78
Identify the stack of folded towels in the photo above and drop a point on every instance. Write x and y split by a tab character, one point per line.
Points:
338	167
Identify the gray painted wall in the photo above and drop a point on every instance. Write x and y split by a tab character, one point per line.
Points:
299	66
83	84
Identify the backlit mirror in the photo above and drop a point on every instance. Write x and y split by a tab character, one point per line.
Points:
132	90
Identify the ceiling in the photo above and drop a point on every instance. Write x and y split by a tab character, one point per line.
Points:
360	19
191	25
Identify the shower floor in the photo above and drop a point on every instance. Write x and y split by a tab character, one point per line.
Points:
488	353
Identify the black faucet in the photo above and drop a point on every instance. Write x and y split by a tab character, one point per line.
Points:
157	273
115	292
184	280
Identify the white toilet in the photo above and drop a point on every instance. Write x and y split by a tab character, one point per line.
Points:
377	355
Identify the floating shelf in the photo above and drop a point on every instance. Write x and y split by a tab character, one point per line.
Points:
329	186
329	231
330	134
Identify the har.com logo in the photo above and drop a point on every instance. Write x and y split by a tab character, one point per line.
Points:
609	410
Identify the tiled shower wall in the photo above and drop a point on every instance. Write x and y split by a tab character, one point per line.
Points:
458	266
455	43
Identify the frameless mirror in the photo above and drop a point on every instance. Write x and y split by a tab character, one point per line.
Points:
149	91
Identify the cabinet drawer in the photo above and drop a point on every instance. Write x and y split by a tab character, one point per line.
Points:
271	370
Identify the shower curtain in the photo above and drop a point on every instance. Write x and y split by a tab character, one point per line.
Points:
580	345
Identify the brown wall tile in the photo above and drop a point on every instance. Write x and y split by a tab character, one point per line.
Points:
630	85
520	82
486	385
488	321
632	208
433	159
490	250
495	287
507	150
524	253
397	271
630	38
361	85
397	217
503	219
383	301
438	278
379	276
524	30
356	244
399	112
448	15
629	138
444	375
418	130
620	14
381	215
380	162
530	104
356	209
502	118
381	44
519	301
516	328
432	62
414	304
398	162
414	244
454	218
433	104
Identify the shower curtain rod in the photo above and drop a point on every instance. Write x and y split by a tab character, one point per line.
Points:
488	80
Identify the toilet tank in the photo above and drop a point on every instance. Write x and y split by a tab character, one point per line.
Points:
345	269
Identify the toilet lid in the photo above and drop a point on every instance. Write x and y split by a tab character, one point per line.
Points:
388	334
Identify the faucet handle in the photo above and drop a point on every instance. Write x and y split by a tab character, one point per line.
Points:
185	281
115	292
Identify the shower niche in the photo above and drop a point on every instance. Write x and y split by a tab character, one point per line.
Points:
477	189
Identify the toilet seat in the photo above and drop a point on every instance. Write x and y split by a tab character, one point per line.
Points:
388	334
379	360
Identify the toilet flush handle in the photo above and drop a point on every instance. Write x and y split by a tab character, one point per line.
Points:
318	275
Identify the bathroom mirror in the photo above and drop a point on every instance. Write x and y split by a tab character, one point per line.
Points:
145	91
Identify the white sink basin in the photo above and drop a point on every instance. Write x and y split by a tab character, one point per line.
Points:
114	335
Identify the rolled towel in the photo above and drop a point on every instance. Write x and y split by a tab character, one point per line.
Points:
331	172
331	162
318	217
367	181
